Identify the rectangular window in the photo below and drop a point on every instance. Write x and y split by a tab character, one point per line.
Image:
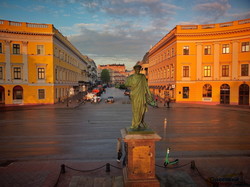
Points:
1	73
1	48
186	50
207	50
41	94
56	74
225	70
244	69
207	71
41	73
185	92
168	72
225	48
245	47
172	71
172	52
17	73
39	50
16	48
185	71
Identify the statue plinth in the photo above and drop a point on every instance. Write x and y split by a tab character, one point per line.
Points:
140	155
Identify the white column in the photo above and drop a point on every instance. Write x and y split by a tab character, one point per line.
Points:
7	61
216	69
25	61
235	60
198	61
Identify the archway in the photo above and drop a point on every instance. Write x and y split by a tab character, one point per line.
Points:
244	94
2	98
225	94
18	93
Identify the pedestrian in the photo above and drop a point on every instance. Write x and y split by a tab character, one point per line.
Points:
119	149
125	155
168	100
156	98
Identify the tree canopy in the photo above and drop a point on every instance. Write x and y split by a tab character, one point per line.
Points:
105	77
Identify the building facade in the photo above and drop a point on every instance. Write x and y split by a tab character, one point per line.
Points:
117	72
203	64
38	65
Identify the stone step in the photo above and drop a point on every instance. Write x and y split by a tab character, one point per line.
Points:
86	181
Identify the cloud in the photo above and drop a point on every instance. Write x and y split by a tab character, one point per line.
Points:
121	40
122	8
213	11
239	16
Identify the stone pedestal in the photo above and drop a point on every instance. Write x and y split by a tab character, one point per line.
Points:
140	156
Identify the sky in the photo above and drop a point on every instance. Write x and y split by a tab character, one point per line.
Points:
121	31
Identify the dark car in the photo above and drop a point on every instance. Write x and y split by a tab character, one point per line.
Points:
110	100
127	92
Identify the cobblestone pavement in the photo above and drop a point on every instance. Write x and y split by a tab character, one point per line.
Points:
219	159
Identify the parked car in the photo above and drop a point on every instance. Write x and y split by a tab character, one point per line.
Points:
110	100
96	99
127	92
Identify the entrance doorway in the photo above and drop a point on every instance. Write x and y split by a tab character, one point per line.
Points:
2	99
225	94
244	94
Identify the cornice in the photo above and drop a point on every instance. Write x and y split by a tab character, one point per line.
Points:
26	33
219	33
70	47
162	43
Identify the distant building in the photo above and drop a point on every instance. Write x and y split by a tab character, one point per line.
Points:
38	65
117	72
203	63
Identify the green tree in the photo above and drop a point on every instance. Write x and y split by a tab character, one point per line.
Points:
105	77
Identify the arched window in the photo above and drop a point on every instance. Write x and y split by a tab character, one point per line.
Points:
17	92
207	90
244	94
225	94
1	94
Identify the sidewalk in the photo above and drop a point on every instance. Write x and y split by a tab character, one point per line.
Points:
195	105
72	103
224	171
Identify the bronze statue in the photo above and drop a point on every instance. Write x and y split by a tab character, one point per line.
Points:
140	96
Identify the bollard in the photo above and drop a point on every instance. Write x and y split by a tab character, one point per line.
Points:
62	168
165	123
192	164
108	167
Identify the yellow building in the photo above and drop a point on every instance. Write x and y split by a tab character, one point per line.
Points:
38	65
203	63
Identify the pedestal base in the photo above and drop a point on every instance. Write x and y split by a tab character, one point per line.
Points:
144	182
140	154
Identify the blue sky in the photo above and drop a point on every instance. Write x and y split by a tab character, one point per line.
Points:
121	31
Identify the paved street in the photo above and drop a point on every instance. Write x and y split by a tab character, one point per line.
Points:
87	134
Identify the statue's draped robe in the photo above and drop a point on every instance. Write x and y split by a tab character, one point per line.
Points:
139	89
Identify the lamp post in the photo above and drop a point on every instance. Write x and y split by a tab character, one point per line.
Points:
67	99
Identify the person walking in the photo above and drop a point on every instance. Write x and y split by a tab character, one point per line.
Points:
119	149
168	100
